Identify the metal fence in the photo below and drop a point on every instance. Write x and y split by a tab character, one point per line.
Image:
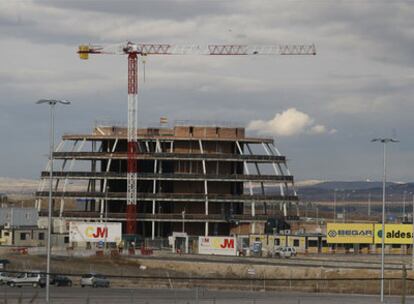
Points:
237	291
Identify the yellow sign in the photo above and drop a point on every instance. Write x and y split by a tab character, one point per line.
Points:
349	233
394	234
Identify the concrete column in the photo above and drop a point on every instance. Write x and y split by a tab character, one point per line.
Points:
154	189
205	187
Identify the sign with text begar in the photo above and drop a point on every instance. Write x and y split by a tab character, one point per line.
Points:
350	233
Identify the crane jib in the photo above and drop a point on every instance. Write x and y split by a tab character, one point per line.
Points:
212	49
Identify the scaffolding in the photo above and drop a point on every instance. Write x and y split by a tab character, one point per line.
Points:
203	179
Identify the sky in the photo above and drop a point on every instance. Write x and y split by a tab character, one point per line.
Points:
321	110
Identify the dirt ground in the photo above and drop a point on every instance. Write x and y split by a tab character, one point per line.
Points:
185	273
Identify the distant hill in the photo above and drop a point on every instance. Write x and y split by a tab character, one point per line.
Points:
352	185
18	186
355	191
346	190
27	187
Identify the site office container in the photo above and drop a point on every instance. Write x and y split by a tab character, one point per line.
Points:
269	242
324	245
30	237
302	243
280	240
312	244
299	242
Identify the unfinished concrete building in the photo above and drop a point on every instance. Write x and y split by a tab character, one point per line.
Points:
198	178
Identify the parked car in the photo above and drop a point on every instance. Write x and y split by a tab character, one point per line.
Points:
5	277
284	252
35	279
60	280
94	280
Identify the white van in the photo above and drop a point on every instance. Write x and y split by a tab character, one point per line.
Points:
284	252
35	279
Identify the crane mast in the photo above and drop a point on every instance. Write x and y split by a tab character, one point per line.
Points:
133	50
132	131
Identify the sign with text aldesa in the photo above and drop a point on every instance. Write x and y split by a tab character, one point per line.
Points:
394	234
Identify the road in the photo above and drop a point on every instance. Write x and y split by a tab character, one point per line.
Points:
178	296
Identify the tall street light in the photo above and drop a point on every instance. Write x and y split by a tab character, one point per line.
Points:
334	205
412	245
384	141
403	213
183	216
369	204
52	103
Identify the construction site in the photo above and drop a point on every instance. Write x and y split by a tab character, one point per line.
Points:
197	179
206	187
189	151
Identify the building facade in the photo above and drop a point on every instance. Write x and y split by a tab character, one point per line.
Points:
19	227
198	179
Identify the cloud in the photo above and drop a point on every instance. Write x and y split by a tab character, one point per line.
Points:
359	82
288	123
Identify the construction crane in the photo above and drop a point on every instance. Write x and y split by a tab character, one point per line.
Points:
133	50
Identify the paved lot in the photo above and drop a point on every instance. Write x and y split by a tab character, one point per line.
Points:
181	296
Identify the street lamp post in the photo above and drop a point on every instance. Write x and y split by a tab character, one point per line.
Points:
403	213
384	141
183	216
159	222
412	246
317	215
106	218
51	103
369	204
334	206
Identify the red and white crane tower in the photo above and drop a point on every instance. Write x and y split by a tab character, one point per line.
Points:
133	50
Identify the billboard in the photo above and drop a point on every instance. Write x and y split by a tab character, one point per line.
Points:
217	245
394	234
94	232
350	233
